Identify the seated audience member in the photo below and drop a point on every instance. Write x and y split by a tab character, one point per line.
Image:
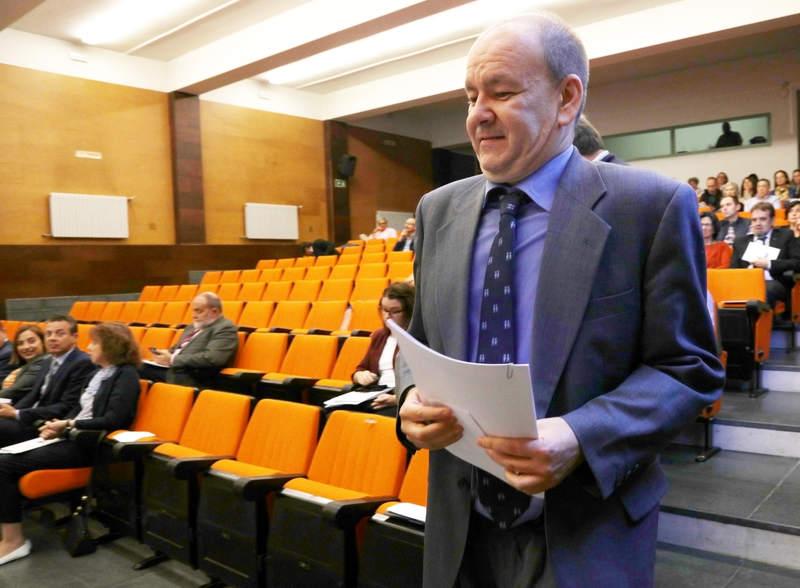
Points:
762	196
695	184
729	137
57	388
322	247
781	189
6	350
205	347
27	360
732	224
381	231
590	144
711	196
108	402
722	179
718	253
748	188
762	220
793	216
794	187
376	369
406	240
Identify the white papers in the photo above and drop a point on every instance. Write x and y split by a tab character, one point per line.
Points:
409	511
149	362
487	399
758	250
5	401
352	398
29	445
131	436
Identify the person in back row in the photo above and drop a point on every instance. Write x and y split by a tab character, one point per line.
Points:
56	390
27	361
205	347
108	402
732	224
406	240
376	369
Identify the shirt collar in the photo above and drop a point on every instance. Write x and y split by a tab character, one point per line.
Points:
541	185
600	155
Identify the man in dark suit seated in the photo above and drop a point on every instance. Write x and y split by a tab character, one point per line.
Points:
732	225
205	347
405	242
712	195
590	144
57	389
762	220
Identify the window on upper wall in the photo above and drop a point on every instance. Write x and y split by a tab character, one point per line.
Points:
732	133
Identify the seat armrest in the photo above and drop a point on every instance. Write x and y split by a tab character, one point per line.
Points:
360	333
295	382
245	329
134	450
250	377
182	468
346	513
319	331
756	307
256	487
279	330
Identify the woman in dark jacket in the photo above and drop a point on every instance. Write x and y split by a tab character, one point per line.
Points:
27	358
377	367
107	403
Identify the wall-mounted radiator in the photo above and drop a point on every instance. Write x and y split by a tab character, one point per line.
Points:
88	216
270	221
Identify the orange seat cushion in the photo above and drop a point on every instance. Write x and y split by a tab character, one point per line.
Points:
41	483
244	470
179	451
331	383
323	490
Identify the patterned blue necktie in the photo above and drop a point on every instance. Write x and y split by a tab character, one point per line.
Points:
496	343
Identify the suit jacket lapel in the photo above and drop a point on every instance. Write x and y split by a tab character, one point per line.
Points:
573	248
457	237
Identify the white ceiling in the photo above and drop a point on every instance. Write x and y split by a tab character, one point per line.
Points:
387	55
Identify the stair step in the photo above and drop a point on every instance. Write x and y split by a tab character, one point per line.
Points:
736	504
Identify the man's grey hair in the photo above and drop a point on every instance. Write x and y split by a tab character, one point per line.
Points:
564	52
587	140
212	300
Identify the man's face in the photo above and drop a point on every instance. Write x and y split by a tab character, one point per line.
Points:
760	222
693	184
796	177
58	338
728	207
411	227
202	313
711	185
708	227
513	107
762	188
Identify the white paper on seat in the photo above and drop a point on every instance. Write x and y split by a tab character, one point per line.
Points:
352	398
487	399
131	436
5	401
409	511
29	445
758	250
150	362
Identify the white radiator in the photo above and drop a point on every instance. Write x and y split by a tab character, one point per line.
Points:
86	215
270	221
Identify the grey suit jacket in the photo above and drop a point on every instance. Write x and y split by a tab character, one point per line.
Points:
206	354
623	350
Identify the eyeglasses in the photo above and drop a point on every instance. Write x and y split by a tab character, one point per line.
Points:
394	312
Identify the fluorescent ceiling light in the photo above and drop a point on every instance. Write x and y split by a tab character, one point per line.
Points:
124	18
432	32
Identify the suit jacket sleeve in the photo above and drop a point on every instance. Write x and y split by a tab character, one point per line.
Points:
74	380
218	349
622	430
119	395
788	259
25	380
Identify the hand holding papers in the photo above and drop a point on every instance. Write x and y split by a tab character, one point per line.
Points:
758	250
472	391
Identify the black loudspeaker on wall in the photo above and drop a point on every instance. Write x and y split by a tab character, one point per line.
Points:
346	166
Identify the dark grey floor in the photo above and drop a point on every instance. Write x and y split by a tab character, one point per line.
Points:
781	409
747	486
784	358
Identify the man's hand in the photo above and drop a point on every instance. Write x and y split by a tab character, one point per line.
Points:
428	427
162	357
52	429
761	263
7	411
536	465
384	400
365	378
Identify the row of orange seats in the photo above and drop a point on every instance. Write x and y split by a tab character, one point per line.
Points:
348	257
245	457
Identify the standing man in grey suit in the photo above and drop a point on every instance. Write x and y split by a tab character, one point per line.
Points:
205	347
602	293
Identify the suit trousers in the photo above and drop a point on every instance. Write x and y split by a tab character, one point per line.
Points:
776	292
505	558
12	431
65	454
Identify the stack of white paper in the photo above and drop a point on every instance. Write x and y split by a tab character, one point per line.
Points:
131	436
352	398
28	445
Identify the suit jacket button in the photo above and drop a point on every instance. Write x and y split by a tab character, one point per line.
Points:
463	483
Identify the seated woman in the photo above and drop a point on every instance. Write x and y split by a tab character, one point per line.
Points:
27	359
382	230
107	403
376	370
718	253
793	216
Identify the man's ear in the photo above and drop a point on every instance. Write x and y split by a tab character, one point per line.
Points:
572	92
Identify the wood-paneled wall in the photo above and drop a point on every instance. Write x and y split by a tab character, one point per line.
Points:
35	271
392	173
45	118
255	156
